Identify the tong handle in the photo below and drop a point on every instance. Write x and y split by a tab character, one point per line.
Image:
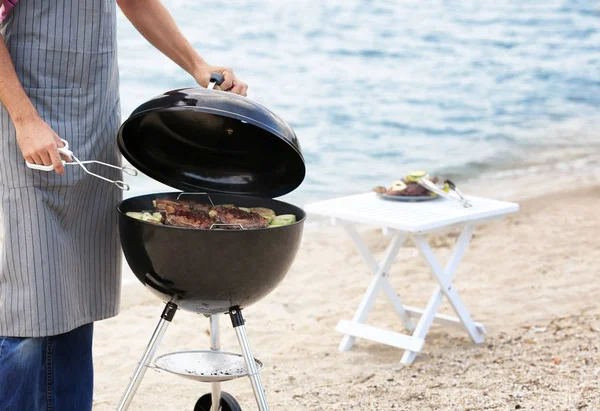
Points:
65	151
61	150
42	167
432	187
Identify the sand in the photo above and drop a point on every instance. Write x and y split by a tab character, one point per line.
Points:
531	279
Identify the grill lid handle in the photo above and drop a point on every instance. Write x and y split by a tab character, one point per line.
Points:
215	80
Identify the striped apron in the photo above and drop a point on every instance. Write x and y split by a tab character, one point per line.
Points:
60	259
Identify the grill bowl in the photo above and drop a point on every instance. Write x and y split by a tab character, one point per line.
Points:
209	271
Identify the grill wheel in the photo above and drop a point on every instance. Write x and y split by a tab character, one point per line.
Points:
228	403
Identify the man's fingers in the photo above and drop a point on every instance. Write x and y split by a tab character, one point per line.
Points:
228	80
45	156
36	159
238	87
56	161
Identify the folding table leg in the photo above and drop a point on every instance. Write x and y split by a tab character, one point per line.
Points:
391	295
424	323
396	302
376	283
445	288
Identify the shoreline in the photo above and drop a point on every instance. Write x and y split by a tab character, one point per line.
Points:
546	168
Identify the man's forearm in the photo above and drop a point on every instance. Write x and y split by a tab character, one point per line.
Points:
156	24
12	95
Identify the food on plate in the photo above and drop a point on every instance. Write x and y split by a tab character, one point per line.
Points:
414	176
397	186
409	186
185	213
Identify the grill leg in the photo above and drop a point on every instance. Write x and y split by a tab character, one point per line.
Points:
215	345
138	375
240	330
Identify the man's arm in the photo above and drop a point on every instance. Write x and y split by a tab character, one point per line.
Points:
36	139
155	23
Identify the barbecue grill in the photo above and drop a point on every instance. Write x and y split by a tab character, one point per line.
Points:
217	148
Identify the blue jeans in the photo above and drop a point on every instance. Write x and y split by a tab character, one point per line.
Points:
47	373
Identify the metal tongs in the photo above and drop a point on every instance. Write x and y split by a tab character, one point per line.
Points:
65	151
424	182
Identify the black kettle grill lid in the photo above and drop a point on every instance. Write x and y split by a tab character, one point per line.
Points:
202	140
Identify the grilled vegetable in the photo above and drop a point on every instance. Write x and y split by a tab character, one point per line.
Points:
414	176
446	189
155	218
284	219
396	187
264	212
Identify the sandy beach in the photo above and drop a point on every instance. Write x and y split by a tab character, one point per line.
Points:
531	279
303	101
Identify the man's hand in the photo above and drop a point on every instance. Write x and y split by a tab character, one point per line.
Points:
231	82
156	24
39	143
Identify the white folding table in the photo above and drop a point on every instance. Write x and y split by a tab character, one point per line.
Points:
403	220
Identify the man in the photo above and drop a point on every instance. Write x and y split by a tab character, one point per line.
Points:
60	257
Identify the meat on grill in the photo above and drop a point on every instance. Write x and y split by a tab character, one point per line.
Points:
172	206
181	217
194	215
237	217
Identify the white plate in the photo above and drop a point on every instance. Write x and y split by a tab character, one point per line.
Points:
409	199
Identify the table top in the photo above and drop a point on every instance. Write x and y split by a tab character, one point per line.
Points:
414	217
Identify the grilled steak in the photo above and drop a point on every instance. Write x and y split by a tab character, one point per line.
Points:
187	218
195	215
233	215
172	206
